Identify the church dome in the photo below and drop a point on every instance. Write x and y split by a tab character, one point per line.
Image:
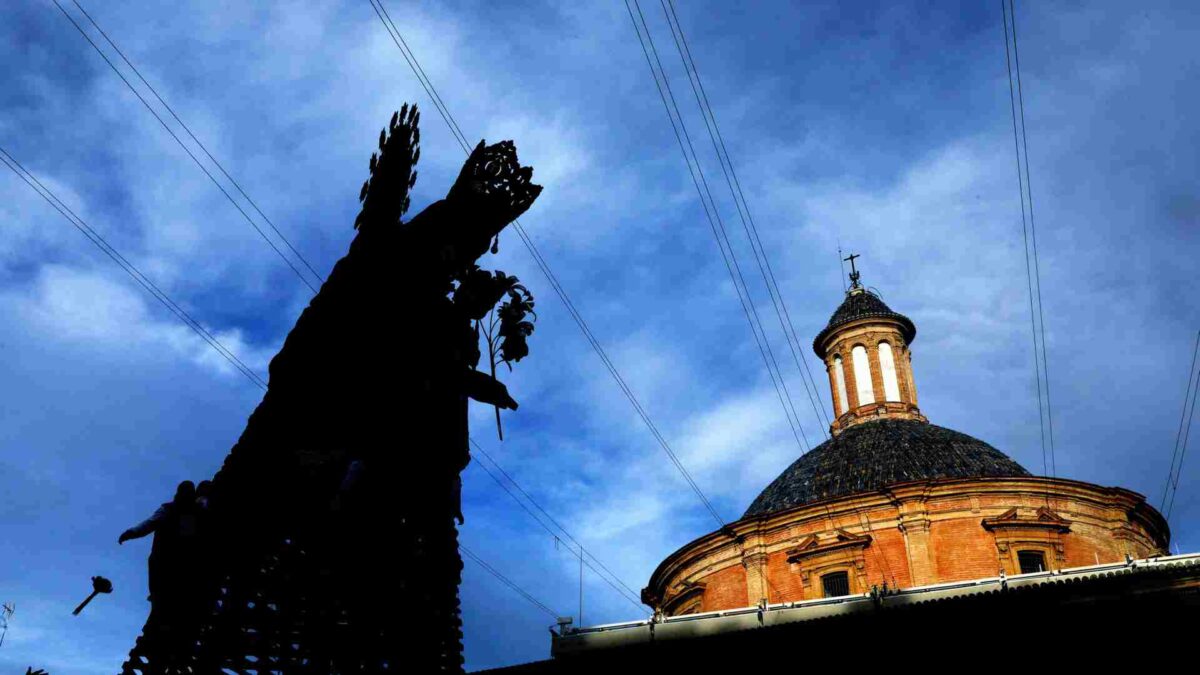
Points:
874	454
862	304
892	501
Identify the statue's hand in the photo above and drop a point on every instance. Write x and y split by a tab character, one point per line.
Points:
487	389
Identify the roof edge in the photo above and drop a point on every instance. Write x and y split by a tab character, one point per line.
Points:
908	329
585	638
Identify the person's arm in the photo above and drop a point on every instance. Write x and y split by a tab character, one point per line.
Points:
145	527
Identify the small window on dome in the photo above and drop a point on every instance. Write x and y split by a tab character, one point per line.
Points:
835	584
1031	561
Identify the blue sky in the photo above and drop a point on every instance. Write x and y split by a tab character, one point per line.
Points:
884	126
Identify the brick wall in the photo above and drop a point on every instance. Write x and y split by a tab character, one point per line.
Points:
725	588
965	529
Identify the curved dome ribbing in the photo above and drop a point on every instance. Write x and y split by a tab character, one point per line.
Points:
875	454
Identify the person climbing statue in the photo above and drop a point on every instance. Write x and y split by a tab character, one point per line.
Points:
173	554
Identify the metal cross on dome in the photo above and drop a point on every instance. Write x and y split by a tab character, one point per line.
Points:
854	274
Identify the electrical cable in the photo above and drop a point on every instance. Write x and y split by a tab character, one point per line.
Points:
1025	237
1187	430
190	154
631	597
1033	237
543	511
541	263
1192	386
129	268
718	229
508	582
171	110
743	209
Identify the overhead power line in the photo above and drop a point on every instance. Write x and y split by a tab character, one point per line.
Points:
128	267
214	160
188	150
1181	436
743	209
1032	276
1037	272
508	582
607	575
717	226
540	261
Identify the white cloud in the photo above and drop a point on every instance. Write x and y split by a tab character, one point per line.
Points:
31	226
109	316
291	98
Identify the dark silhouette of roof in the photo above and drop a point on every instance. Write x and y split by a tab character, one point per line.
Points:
871	455
862	304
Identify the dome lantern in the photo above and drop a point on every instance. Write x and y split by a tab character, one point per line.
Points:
865	347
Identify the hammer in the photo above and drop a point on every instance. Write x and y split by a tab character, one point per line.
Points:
99	585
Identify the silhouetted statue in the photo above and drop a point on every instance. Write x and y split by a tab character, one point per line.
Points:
333	517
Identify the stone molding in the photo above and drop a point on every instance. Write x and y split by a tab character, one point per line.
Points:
1043	532
815	545
1044	519
682	594
825	552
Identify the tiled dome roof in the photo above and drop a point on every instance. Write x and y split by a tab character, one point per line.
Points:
872	455
862	304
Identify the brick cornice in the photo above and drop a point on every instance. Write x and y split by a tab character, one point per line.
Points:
1043	519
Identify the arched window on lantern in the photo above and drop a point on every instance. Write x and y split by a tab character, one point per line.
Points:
839	378
887	368
862	375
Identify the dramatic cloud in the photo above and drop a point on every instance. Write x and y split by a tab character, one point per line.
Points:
884	128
